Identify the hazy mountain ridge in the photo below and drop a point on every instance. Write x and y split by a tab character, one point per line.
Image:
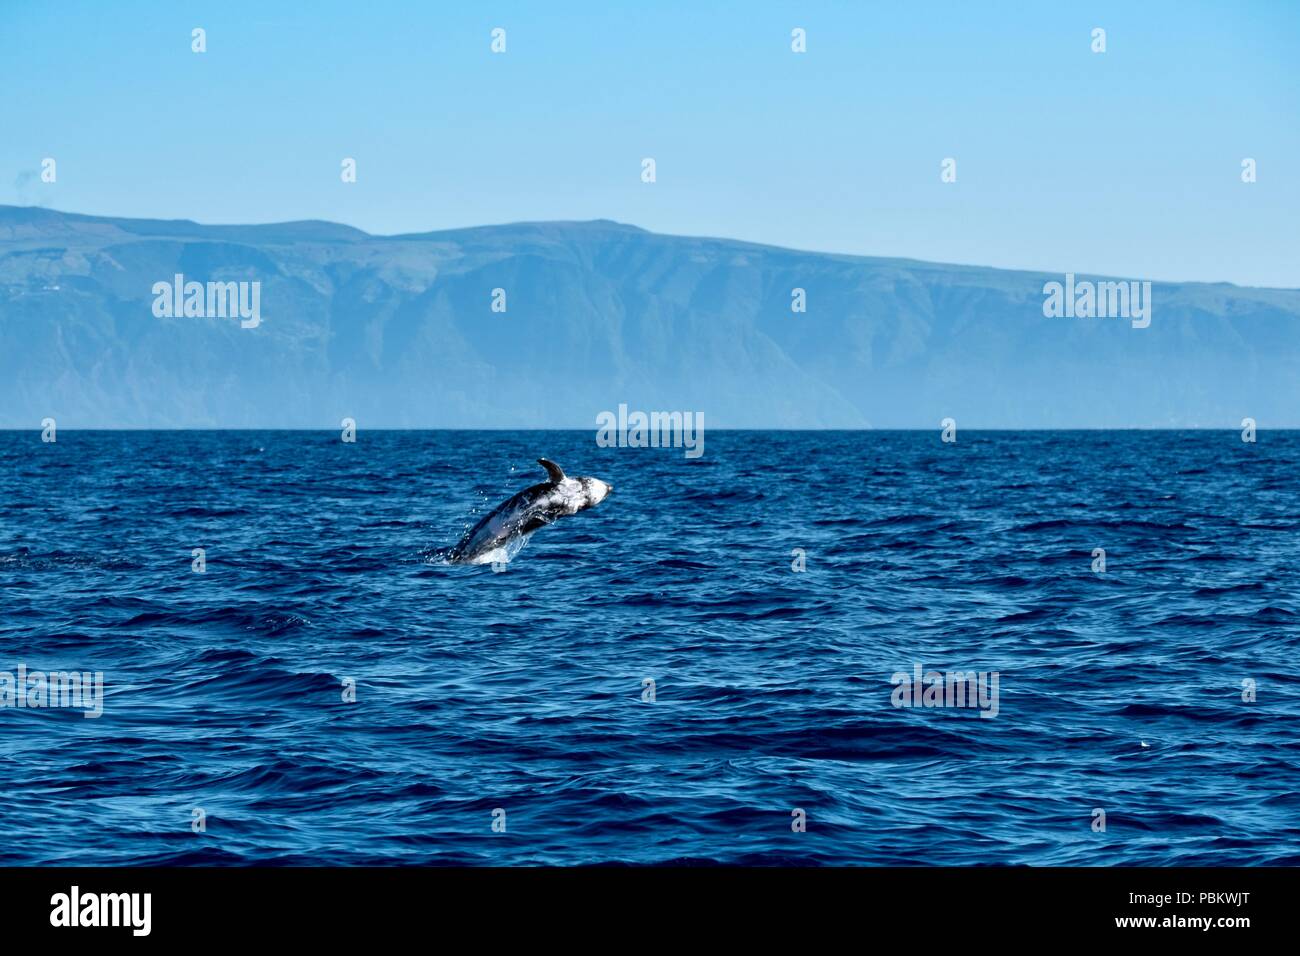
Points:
398	331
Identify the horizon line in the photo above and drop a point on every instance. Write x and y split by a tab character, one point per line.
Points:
510	428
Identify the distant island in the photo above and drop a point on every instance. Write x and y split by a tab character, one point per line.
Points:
546	325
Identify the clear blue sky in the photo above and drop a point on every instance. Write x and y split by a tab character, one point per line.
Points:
1123	163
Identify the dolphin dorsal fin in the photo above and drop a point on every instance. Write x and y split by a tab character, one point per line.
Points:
552	469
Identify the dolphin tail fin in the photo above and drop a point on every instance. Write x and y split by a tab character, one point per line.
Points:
555	472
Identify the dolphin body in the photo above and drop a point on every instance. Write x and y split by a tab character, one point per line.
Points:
527	511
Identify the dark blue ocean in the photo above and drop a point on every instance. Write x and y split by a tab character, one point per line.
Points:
523	691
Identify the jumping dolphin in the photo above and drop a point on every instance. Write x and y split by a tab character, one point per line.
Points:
527	511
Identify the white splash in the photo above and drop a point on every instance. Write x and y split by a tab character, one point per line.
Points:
505	553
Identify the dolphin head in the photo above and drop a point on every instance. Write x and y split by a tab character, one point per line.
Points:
594	491
582	492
